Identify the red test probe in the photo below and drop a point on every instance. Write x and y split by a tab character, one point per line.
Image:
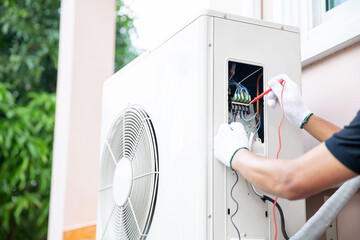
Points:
264	93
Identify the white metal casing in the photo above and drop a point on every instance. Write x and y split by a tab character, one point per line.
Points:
182	85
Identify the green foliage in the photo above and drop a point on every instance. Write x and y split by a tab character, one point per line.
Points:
26	138
124	51
29	36
29	33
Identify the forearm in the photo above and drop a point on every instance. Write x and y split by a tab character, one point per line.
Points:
266	174
320	128
312	172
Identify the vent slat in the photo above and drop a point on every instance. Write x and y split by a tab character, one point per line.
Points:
131	136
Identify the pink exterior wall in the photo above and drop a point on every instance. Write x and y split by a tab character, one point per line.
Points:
86	59
331	89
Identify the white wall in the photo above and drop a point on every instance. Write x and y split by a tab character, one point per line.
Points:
86	59
331	89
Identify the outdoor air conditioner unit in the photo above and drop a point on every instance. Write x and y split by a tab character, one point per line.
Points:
158	175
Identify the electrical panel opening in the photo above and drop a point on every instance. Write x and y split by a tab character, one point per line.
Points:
245	83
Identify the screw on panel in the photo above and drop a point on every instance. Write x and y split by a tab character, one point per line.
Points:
209	216
209	45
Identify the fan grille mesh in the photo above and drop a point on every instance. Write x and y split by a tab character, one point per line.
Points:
131	136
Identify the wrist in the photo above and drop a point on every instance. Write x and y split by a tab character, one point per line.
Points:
305	120
299	114
232	157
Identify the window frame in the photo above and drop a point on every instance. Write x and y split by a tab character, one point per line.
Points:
337	28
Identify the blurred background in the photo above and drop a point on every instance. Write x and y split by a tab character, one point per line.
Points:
29	49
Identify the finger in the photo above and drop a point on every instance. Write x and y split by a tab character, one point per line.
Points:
237	127
275	79
272	102
271	99
276	87
224	127
271	96
285	77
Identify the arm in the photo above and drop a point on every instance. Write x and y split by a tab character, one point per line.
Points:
295	109
292	179
313	172
320	128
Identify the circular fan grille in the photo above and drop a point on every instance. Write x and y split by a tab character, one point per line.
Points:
128	177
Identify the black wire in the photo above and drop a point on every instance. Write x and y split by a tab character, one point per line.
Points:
232	188
282	219
234	115
237	205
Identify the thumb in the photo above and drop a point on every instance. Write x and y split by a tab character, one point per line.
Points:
272	99
271	96
276	87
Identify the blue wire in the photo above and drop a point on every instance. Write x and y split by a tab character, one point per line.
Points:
239	85
247	91
234	117
258	126
230	80
249	119
242	87
238	90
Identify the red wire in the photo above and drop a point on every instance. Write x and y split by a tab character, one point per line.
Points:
231	75
276	230
278	152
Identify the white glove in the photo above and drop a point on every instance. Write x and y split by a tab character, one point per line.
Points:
228	140
295	109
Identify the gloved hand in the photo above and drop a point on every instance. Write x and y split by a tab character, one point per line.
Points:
295	109
228	140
